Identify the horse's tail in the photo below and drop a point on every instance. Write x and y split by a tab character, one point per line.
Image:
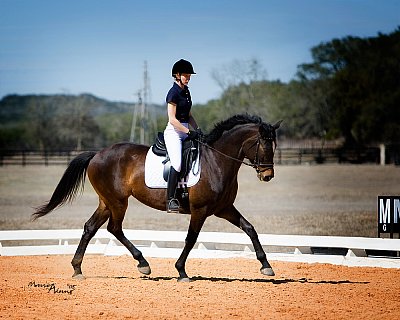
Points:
67	188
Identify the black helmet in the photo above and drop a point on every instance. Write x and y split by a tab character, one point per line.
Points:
182	66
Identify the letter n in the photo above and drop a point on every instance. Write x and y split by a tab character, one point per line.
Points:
396	210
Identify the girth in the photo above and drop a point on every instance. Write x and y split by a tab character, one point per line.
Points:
190	150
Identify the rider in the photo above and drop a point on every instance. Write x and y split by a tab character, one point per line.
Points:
179	104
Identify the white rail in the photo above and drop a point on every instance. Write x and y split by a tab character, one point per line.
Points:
168	244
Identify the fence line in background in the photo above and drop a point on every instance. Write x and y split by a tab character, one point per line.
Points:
349	251
283	156
28	157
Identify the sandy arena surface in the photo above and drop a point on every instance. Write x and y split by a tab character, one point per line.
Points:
42	288
315	200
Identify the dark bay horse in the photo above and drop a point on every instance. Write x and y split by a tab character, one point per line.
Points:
117	172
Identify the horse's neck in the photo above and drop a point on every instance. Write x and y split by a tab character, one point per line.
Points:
230	146
231	142
224	163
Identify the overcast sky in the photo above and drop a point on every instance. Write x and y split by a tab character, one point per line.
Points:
99	47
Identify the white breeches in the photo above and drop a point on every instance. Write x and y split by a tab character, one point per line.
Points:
173	141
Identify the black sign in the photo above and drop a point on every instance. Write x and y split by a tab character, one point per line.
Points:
388	215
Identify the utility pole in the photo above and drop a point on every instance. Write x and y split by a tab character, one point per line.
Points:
144	97
143	107
134	116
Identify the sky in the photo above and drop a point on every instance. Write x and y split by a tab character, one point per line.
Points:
100	47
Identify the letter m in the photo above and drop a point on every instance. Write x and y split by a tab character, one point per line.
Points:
384	211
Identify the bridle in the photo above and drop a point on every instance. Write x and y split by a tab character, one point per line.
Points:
256	164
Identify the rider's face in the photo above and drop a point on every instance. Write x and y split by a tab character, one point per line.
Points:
185	78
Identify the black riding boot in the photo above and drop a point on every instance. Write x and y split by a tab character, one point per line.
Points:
172	202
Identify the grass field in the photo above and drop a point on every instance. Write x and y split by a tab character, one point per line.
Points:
314	200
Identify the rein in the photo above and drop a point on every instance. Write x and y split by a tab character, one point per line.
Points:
256	165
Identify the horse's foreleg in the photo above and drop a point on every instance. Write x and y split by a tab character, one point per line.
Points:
235	217
191	238
99	217
248	228
115	227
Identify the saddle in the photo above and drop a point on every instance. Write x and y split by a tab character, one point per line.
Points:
190	151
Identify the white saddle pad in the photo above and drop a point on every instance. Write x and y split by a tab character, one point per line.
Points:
153	172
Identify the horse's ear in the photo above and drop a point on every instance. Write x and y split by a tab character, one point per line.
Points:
277	125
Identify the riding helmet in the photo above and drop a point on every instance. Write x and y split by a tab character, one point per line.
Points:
182	66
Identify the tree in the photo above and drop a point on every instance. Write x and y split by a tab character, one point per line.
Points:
236	80
40	124
74	123
238	72
247	90
361	78
61	122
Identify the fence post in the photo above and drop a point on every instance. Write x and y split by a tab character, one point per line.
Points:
279	156
382	154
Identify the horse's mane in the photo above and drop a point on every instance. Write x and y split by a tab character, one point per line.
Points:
230	123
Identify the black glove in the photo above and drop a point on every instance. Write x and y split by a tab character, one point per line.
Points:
201	135
192	135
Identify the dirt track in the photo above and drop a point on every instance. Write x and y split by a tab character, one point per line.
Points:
42	288
316	200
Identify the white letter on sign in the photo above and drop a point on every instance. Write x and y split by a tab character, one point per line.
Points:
384	212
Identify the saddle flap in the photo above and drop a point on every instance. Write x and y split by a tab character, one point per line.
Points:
189	155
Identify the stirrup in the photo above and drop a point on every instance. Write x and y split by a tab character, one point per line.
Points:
173	206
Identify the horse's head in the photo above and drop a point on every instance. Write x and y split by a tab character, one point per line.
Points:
256	140
261	151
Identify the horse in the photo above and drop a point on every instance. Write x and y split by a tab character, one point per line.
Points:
118	172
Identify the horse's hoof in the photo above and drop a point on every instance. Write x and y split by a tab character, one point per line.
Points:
145	270
78	276
184	280
267	272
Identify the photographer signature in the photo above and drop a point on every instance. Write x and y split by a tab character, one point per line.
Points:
52	287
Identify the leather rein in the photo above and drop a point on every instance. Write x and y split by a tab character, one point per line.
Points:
256	163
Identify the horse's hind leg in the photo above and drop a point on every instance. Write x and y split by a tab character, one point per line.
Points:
115	227
235	217
98	218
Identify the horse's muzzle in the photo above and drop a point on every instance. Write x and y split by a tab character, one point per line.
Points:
266	175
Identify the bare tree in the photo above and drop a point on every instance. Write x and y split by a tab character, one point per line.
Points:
239	72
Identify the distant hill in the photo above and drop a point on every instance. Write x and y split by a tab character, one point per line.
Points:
14	107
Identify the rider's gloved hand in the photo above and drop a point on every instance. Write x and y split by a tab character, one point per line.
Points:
193	135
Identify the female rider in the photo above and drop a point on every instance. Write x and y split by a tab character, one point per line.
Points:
179	104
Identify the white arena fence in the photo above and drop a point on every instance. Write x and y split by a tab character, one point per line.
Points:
348	251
